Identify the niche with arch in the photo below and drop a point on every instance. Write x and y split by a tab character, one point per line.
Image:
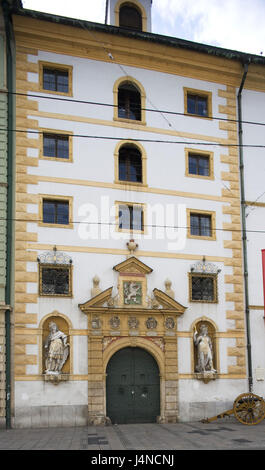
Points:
205	350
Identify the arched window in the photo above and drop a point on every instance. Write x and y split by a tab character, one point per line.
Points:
130	17
130	164
129	102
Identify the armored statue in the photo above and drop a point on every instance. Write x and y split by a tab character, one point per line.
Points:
204	346
56	349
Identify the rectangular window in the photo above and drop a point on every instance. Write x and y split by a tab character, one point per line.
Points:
203	288
199	165
55	280
56	146
201	224
198	103
55	78
131	217
55	211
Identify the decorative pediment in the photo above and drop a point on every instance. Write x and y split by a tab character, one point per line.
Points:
167	302
132	265
97	301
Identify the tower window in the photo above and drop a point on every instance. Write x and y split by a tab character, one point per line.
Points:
130	17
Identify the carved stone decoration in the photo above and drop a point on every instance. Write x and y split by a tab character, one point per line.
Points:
151	323
204	267
169	323
114	322
132	293
204	357
95	289
132	246
133	322
168	290
56	350
95	323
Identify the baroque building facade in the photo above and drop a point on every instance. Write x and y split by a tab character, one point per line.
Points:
129	297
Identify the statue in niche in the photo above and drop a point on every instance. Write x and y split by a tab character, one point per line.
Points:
168	290
204	346
56	349
95	289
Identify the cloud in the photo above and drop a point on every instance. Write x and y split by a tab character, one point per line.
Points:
233	24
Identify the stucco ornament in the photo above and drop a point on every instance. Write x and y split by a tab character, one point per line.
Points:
56	349
204	346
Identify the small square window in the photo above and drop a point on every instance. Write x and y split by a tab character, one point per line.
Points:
198	103
203	288
55	280
199	164
55	212
131	217
56	146
55	78
201	224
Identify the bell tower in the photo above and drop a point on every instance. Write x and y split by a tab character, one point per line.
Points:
132	14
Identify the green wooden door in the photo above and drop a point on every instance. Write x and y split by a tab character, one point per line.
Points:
132	387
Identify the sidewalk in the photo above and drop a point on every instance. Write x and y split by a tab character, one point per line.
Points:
224	434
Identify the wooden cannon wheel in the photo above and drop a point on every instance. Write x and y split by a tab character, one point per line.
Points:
249	408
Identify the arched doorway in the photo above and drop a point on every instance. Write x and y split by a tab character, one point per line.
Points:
132	387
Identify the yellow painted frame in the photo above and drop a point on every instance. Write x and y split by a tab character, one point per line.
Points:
203	94
137	5
116	164
204	154
215	287
213	224
124	203
55	198
141	90
56	132
53	65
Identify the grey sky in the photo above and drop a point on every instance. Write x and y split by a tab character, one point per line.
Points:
233	24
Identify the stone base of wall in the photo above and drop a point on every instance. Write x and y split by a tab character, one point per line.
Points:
190	412
51	416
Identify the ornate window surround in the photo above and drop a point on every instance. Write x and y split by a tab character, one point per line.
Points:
55	260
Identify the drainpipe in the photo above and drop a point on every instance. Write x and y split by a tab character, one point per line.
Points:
10	149
243	216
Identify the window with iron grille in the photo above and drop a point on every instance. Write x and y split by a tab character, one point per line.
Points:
56	145
55	280
203	287
130	164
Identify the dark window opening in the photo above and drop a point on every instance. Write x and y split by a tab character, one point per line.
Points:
56	146
130	164
130	17
129	102
199	165
55	212
203	288
197	105
55	80
55	280
131	217
201	225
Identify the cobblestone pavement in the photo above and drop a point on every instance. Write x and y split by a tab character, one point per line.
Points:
219	435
